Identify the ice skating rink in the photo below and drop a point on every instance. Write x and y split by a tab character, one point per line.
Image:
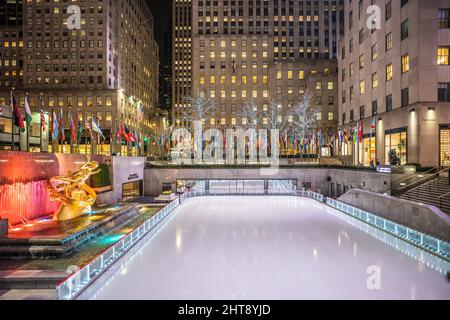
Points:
270	248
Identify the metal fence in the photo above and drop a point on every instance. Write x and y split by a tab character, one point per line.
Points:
422	240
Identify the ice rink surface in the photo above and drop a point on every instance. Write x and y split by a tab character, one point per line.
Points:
270	248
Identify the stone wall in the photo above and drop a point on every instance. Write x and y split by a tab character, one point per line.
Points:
321	179
425	218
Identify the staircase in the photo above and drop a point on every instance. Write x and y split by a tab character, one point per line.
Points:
435	192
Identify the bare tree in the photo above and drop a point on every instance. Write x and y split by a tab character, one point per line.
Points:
200	106
276	117
304	117
249	111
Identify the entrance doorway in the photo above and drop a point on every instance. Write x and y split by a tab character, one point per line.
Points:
131	190
444	146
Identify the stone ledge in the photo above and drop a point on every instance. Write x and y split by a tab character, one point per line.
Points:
30	279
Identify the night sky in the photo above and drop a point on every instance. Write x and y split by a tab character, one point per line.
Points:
161	12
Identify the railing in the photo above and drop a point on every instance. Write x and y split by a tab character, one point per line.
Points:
416	177
76	282
419	182
444	201
421	240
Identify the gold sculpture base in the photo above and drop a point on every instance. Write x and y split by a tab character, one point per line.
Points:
68	212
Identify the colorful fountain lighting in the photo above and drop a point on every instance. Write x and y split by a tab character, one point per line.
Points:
25	201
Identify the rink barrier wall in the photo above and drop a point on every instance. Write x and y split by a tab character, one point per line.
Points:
424	241
78	281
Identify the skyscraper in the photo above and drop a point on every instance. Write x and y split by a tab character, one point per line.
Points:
395	82
259	50
181	58
107	69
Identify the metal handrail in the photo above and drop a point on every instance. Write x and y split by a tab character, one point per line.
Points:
442	197
425	179
421	173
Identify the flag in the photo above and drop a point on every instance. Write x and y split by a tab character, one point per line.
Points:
73	136
132	136
126	133
360	132
28	115
118	133
55	126
61	124
87	124
372	127
41	111
110	132
80	128
96	128
18	121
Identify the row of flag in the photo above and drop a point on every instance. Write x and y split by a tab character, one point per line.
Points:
298	141
355	134
78	123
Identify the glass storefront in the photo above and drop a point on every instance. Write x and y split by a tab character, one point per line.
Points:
367	151
396	140
444	141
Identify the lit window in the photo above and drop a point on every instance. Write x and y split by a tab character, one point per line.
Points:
389	72
405	63
319	116
318	85
279	77
290	75
330	85
443	56
301	75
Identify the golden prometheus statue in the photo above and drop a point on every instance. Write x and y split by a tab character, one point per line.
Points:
75	195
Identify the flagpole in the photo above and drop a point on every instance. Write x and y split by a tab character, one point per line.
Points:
28	126
110	136
92	135
71	130
41	109
13	148
60	128
79	137
85	134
